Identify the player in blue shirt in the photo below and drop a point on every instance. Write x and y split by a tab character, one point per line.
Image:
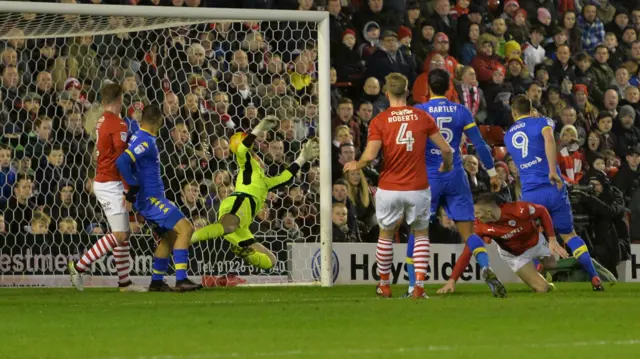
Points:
139	166
451	189
532	145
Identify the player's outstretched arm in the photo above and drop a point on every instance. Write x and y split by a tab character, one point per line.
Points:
310	151
551	153
370	153
458	269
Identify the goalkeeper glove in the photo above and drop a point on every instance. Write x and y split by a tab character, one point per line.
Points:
310	151
266	124
130	195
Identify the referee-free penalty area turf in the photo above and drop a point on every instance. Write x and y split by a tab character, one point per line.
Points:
313	323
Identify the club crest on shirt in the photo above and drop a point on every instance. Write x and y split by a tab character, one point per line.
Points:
123	136
512	223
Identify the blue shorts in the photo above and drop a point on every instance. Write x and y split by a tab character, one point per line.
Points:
452	192
556	202
160	213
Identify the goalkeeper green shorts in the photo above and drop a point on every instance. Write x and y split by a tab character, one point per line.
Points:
243	206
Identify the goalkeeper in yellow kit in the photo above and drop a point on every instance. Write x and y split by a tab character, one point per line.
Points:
252	186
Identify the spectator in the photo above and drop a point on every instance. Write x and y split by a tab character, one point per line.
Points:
505	179
619	23
587	113
389	59
275	158
379	12
469	49
441	46
21	205
477	180
50	172
362	196
64	205
627	179
68	225
592	28
572	31
604	124
222	157
192	204
627	134
362	118
611	101
562	68
518	29
605	207
341	230
485	63
371	40
471	96
444	22
29	111
422	43
345	118
8	173
554	104
498	93
569	116
39	223
616	53
570	159
178	158
517	77
36	142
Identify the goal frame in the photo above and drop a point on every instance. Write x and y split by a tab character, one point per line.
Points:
225	14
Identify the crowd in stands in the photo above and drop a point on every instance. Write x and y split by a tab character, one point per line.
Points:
577	60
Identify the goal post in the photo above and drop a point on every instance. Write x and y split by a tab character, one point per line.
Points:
46	21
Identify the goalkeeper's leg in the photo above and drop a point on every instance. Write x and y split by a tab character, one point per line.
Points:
228	223
255	253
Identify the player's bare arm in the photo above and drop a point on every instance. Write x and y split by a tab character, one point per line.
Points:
445	150
550	151
544	217
370	154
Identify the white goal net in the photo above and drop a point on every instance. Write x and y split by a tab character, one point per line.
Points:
212	77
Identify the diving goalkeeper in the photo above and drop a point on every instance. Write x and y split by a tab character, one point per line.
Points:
252	186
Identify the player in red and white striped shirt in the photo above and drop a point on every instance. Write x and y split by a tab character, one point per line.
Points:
108	187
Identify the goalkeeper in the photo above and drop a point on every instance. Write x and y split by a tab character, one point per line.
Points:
252	186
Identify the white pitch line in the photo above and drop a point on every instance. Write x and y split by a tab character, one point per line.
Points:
399	350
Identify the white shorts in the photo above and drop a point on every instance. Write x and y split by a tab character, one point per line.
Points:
539	251
413	206
109	194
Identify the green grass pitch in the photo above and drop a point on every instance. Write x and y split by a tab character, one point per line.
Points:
310	322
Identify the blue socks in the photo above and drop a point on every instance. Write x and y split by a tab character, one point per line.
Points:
410	268
180	258
476	245
160	266
581	254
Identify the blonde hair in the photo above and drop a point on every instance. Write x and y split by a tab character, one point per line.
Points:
361	191
338	205
396	85
341	128
40	217
69	221
566	128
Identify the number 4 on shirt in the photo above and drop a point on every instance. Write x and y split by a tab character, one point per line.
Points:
405	137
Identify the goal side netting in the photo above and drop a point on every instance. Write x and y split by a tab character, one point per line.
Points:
213	72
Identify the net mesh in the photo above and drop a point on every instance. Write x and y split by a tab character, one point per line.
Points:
210	79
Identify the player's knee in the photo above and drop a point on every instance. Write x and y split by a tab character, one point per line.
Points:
541	287
184	228
121	237
230	223
272	258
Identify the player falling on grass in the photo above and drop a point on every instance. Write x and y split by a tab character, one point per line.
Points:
532	145
514	229
140	168
451	190
252	186
111	141
403	190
